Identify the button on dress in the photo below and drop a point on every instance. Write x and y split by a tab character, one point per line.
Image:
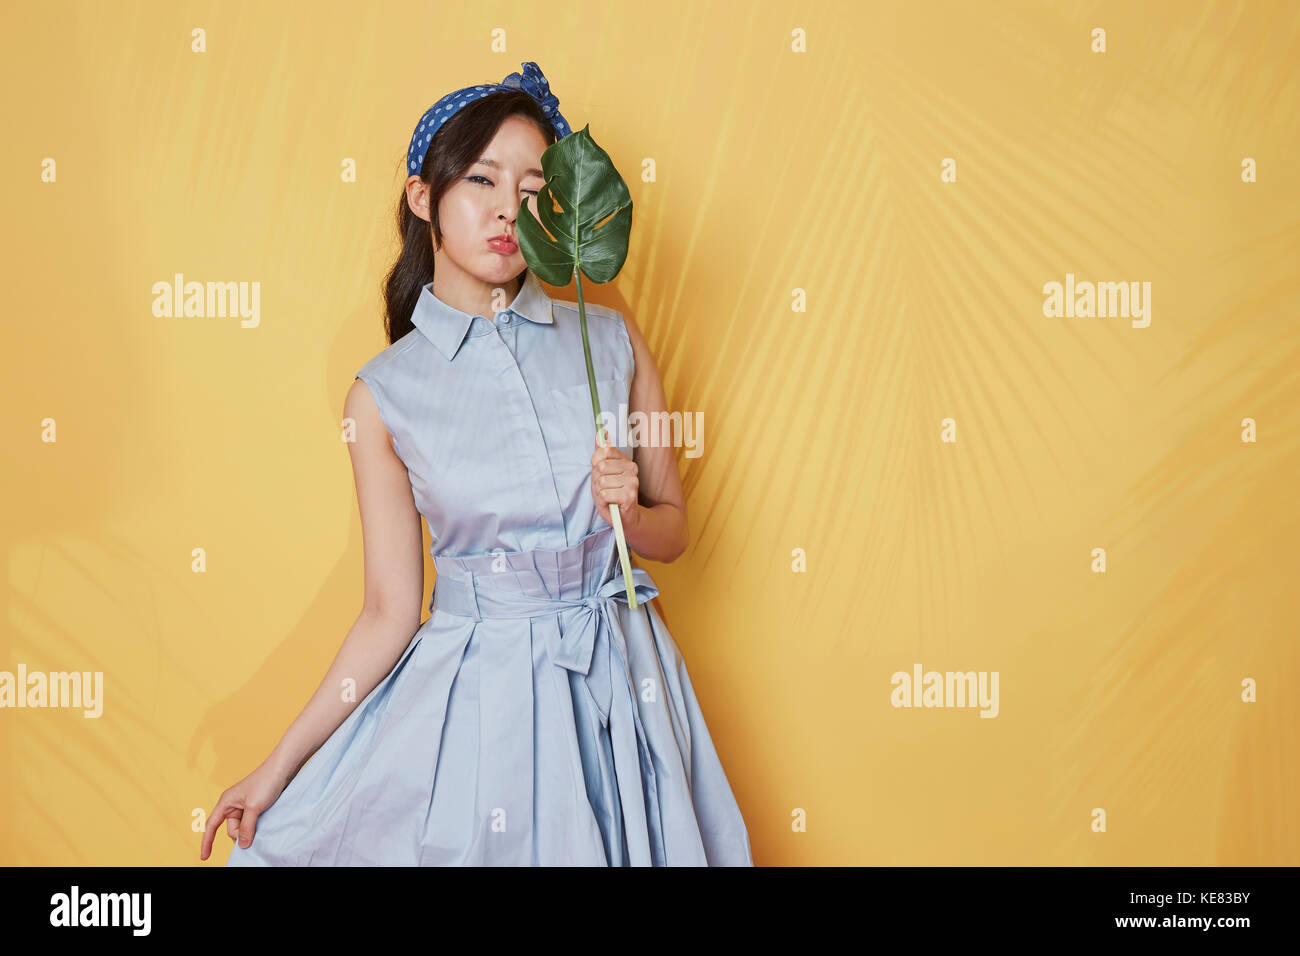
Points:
534	718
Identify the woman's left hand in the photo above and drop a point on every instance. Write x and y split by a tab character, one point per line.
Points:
614	481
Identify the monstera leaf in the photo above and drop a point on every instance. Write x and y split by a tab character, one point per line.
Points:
585	214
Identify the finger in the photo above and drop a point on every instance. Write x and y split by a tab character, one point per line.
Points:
624	507
232	824
219	813
618	497
615	496
614	463
246	827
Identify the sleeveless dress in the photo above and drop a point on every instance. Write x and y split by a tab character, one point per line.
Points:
534	718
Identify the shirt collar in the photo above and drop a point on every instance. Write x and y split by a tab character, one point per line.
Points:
446	327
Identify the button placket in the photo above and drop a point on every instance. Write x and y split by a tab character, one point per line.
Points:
545	479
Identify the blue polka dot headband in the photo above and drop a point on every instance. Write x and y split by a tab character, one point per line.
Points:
531	81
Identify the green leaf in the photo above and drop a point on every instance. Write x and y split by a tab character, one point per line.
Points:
585	213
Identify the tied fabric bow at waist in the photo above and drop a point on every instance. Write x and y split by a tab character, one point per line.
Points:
593	643
600	618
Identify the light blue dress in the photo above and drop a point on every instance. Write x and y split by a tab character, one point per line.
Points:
534	718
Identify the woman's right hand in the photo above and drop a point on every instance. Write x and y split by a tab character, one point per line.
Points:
242	804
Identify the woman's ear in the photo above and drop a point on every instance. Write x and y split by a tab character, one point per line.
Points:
417	197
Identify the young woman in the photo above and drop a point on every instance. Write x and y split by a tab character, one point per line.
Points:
534	718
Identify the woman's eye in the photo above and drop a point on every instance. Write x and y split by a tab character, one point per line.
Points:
531	192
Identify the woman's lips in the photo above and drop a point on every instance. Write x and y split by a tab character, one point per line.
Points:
507	247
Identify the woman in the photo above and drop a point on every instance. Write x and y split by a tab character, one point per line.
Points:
534	718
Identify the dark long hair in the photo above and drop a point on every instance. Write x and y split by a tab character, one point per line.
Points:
459	142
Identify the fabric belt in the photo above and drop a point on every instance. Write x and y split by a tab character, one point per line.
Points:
584	638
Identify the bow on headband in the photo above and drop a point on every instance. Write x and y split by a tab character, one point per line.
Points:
532	81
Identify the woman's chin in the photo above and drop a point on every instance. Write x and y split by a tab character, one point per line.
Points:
501	268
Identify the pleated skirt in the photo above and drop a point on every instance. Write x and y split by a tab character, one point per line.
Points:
480	749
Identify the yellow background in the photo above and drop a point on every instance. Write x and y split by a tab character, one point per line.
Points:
776	171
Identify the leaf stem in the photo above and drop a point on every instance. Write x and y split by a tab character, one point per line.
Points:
616	520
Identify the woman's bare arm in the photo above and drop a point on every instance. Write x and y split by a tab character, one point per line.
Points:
394	586
659	531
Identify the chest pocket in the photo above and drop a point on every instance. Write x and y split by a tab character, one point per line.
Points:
575	422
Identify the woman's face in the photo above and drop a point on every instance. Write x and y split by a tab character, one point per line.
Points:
484	203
